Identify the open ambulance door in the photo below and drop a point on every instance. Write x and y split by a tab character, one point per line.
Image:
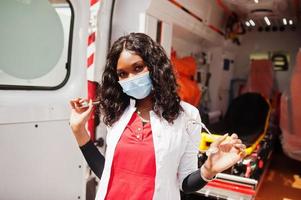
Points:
43	64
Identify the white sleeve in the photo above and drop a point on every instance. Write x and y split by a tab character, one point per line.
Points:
189	159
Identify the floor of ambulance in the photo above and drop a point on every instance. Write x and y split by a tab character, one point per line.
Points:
282	180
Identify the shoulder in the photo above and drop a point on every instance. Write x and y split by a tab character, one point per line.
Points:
189	111
188	107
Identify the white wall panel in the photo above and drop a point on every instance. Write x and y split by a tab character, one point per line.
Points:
42	162
219	84
170	13
198	7
151	26
166	37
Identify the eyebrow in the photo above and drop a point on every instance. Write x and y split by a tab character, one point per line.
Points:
134	64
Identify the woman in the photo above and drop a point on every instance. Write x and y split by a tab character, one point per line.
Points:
150	154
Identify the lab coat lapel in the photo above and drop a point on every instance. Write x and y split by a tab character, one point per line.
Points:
118	128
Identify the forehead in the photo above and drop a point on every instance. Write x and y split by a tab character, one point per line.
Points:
127	59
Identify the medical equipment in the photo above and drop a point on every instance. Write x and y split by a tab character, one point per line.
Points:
85	104
192	127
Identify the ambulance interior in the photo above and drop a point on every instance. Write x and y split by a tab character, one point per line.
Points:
242	72
238	62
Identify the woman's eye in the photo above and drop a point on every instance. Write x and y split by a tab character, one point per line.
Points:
121	75
139	68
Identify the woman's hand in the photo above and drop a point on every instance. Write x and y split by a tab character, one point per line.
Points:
229	151
78	119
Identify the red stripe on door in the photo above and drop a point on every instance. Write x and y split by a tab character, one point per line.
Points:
91	38
90	60
92	2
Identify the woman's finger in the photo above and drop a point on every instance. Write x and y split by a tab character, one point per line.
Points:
76	99
77	105
89	110
90	104
242	154
83	100
237	141
234	136
72	104
219	140
233	141
240	146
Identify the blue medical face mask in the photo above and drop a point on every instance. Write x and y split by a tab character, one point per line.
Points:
138	86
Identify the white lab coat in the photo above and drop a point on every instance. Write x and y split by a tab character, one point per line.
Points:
176	156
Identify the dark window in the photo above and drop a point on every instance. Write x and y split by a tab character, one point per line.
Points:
280	61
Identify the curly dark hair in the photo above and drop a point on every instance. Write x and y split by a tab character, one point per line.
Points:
113	101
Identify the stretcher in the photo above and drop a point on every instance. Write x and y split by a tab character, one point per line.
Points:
249	116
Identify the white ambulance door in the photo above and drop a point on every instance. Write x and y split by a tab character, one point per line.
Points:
42	66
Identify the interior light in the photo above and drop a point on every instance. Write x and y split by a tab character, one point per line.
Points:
267	21
248	23
284	21
252	22
290	22
256	1
279	62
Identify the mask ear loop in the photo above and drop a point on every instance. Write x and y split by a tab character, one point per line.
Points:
210	150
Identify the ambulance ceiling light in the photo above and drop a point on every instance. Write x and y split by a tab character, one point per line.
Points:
267	21
290	22
284	21
252	22
256	1
248	23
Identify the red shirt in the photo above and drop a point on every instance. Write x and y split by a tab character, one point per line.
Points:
134	168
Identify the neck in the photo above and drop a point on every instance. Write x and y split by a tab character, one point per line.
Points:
144	104
143	108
